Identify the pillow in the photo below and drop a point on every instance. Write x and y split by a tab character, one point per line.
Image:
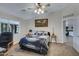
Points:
34	32
40	32
45	33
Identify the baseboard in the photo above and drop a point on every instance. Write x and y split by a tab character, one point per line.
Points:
76	49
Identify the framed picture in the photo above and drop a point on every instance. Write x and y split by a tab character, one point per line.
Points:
41	23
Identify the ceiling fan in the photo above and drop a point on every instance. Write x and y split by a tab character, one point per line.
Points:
38	8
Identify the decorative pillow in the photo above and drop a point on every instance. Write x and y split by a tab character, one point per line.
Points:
45	33
34	32
40	32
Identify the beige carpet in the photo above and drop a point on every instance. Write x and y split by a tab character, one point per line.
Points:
54	50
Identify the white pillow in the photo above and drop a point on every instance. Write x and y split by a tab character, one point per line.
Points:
45	33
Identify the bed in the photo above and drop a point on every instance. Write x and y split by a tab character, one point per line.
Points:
38	42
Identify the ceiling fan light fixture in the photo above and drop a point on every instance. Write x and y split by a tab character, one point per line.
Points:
39	8
35	11
43	6
42	11
38	12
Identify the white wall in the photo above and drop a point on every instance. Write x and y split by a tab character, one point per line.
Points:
22	28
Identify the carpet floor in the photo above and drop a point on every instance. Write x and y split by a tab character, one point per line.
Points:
54	50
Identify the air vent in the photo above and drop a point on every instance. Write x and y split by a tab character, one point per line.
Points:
23	10
69	15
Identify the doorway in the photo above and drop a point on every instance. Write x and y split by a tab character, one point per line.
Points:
68	32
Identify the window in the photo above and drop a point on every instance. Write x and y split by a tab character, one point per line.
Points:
14	28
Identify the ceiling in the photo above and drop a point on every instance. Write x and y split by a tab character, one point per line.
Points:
26	10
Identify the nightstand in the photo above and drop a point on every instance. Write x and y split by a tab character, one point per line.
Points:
54	37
